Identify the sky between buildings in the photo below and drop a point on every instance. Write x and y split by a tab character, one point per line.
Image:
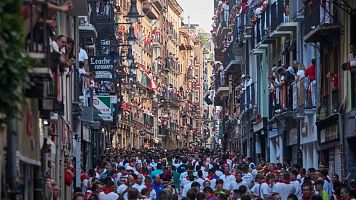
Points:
200	12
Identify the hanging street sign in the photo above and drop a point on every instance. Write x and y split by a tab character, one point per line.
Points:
103	107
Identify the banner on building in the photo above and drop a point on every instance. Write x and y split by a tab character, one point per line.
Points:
104	107
104	67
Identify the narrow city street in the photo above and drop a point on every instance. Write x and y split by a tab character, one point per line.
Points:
177	99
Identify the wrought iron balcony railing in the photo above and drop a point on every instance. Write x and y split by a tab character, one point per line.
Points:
149	120
298	95
248	97
137	115
221	80
37	41
318	13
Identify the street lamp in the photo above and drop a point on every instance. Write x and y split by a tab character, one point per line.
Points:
133	14
132	38
130	57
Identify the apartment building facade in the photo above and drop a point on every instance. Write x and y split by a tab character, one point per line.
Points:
303	119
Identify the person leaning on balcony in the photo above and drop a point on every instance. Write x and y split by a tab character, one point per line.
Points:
58	49
291	73
351	64
310	72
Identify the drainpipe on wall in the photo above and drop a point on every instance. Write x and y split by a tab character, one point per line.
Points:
11	158
341	129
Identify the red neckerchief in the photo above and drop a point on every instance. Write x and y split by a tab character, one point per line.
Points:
200	177
108	190
284	181
148	185
211	177
294	180
211	196
265	171
306	198
239	181
263	181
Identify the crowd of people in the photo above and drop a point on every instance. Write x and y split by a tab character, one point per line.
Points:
205	174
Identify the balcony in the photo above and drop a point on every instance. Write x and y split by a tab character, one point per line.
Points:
244	22
172	34
162	131
157	40
319	22
281	24
221	83
145	82
149	10
38	47
86	30
172	126
103	18
248	98
137	116
148	48
233	58
296	99
148	121
169	64
160	4
296	11
172	98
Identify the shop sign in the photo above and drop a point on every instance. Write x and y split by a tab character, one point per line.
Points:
258	126
293	136
329	134
86	134
103	107
273	133
103	67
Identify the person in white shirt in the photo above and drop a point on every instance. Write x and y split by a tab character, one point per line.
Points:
122	188
145	194
234	185
265	188
83	57
206	170
153	164
138	185
247	176
255	190
283	187
295	182
108	193
138	171
227	178
176	163
187	187
217	170
200	179
59	45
